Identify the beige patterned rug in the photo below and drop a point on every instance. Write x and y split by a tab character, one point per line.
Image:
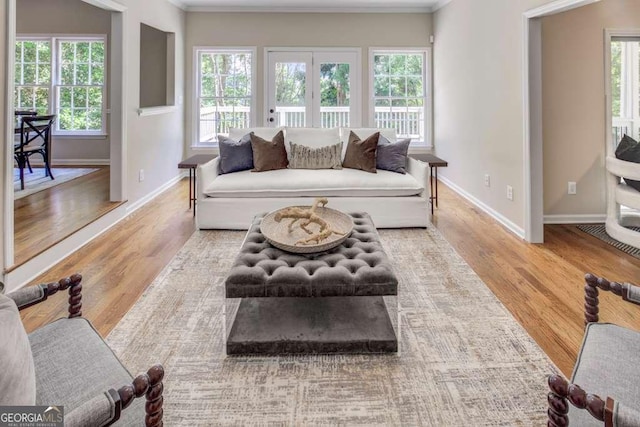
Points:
465	361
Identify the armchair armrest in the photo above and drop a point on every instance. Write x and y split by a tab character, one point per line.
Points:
31	295
562	393
106	408
207	173
624	416
627	291
420	171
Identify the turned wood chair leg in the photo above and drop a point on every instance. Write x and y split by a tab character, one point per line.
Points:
563	393
149	385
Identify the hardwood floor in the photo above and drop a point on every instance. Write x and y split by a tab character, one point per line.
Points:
45	218
540	284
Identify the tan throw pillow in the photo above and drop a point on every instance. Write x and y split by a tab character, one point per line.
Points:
268	155
361	154
327	157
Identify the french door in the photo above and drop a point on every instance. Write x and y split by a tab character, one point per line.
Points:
313	88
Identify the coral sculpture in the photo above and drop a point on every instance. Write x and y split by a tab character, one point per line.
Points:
306	218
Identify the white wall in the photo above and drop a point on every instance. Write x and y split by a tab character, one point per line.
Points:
574	105
478	108
361	30
67	17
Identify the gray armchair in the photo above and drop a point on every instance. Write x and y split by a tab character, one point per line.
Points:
607	366
66	363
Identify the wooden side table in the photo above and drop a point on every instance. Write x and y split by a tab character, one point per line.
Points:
434	164
192	164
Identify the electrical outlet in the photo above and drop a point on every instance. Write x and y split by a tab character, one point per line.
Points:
487	180
141	175
572	188
509	192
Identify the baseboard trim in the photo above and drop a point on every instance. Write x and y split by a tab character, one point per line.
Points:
506	222
74	162
25	273
575	219
149	197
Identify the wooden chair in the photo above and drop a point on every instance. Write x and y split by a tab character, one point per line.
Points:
67	363
608	365
35	138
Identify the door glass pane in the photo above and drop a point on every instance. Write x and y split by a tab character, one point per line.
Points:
290	86
334	95
625	89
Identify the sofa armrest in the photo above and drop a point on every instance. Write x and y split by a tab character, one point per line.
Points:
31	295
207	173
627	291
420	171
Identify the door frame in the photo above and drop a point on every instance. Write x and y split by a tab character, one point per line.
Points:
355	85
117	129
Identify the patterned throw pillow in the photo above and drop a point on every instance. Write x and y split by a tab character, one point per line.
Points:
629	151
361	154
392	156
268	155
235	156
327	157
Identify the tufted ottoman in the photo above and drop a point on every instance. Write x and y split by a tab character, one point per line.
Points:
330	302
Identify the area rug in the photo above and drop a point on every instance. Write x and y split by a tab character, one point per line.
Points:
464	359
38	181
599	231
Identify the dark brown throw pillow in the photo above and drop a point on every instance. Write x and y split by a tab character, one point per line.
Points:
268	155
361	154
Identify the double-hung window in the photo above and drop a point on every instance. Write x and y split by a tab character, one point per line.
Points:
625	87
224	92
400	92
64	76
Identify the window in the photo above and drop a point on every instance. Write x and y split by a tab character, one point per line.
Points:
225	97
66	77
625	88
399	87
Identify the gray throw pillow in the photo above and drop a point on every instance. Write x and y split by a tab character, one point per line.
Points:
17	377
268	155
392	156
629	151
327	157
361	154
235	156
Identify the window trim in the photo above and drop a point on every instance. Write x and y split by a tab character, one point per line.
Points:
55	39
195	123
428	88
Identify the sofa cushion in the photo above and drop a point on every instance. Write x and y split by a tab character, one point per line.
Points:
268	154
392	156
304	157
313	183
266	133
361	154
596	374
313	137
17	374
629	150
235	155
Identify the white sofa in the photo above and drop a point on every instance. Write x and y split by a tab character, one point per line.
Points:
230	201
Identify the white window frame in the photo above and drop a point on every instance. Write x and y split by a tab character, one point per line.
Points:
55	40
50	85
197	50
427	86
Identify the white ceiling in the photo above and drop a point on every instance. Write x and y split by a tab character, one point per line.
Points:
311	5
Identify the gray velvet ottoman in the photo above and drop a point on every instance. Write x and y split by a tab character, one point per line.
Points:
329	302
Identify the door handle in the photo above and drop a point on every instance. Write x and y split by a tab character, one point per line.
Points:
271	119
272	111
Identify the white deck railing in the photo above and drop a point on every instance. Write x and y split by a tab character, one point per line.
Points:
218	120
623	126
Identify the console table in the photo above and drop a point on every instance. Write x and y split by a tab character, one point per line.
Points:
192	164
330	302
434	163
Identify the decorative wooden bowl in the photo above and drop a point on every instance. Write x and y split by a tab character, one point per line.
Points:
278	234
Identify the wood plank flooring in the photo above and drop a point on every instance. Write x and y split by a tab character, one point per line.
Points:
540	284
45	218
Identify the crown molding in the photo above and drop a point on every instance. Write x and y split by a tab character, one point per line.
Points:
439	5
556	6
276	9
180	4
